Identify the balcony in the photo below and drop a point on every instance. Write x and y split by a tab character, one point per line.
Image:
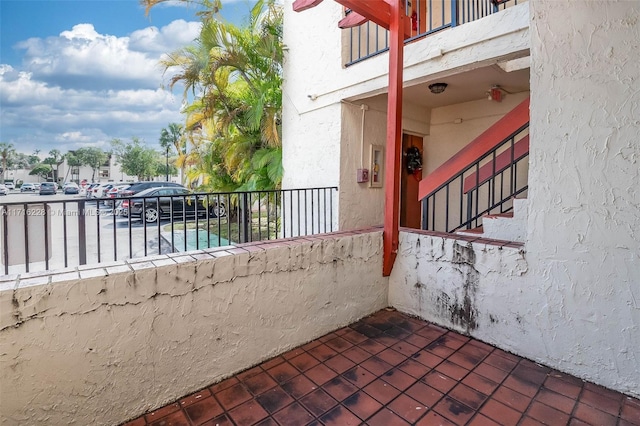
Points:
112	342
392	369
427	17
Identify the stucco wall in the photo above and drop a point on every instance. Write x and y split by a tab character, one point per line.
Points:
100	346
354	196
572	301
465	286
584	197
355	145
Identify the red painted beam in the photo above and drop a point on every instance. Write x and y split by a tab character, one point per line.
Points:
503	162
394	138
483	144
300	5
352	20
377	11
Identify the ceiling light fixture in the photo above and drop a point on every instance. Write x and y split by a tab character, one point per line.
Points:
437	87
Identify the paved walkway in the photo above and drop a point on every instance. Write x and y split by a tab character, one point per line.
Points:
391	369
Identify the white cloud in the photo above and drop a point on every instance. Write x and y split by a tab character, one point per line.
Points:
84	88
83	58
177	34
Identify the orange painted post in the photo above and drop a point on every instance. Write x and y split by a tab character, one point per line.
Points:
394	137
389	14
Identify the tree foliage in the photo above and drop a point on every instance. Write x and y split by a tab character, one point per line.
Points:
7	152
92	157
135	158
232	77
56	158
73	162
42	170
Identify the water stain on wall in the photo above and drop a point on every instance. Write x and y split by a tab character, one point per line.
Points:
461	310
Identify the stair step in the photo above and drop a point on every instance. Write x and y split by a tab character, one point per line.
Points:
475	231
506	214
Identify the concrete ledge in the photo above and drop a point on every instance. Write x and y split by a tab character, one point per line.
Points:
100	345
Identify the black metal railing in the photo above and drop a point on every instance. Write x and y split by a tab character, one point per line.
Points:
64	232
486	186
427	17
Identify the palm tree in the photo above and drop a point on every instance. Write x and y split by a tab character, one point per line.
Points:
6	154
172	137
235	76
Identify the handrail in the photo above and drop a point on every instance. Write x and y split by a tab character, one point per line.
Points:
479	147
500	164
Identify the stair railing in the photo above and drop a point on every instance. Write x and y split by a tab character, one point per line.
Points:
483	178
486	186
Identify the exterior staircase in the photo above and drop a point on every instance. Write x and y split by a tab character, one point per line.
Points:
509	226
490	176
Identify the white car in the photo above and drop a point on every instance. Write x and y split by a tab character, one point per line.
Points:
4	190
98	190
9	185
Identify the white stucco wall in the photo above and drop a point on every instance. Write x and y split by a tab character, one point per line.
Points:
584	197
572	299
100	346
468	287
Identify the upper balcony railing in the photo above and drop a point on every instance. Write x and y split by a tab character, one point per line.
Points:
427	17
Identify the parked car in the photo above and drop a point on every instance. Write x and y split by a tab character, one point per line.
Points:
98	191
47	188
114	191
136	187
9	185
157	203
28	187
37	186
70	188
89	190
116	188
4	190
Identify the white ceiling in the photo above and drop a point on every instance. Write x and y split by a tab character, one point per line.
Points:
464	87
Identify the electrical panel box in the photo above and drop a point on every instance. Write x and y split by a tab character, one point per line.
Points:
363	175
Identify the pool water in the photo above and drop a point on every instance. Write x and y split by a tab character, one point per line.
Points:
205	240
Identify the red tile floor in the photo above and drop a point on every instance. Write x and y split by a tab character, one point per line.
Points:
391	369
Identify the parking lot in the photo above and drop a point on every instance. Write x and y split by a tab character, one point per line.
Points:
107	236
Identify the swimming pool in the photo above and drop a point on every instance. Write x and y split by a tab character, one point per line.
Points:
204	240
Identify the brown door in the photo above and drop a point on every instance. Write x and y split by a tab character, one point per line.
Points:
410	215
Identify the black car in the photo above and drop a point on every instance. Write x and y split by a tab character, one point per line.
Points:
137	187
157	203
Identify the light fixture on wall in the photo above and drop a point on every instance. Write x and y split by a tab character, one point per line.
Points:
437	87
496	93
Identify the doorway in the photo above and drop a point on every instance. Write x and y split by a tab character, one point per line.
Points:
410	209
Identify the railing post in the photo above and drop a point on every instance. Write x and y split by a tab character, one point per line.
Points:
469	208
246	214
454	13
425	213
82	233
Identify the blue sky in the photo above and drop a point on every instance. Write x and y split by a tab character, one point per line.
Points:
77	73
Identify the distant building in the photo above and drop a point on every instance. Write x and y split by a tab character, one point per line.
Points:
110	171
